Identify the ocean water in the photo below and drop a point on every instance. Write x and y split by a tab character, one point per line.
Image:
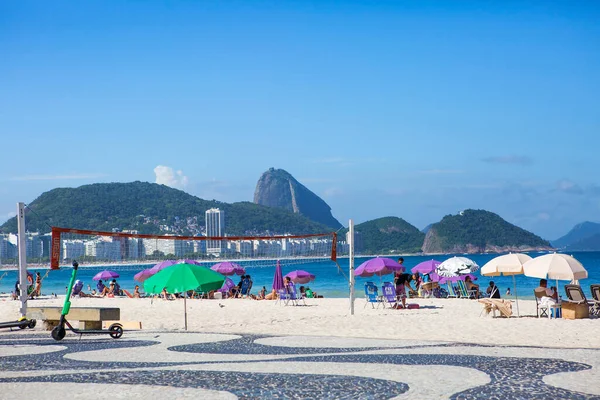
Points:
330	281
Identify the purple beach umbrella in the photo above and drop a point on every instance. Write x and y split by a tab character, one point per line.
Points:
143	275
426	267
300	276
227	286
228	268
278	278
378	266
162	265
105	275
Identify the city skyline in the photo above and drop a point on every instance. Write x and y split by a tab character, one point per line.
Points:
415	110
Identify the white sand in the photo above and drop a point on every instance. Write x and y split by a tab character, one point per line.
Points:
448	320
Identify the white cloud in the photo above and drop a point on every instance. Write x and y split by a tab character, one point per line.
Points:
7	216
569	186
169	177
333	192
55	177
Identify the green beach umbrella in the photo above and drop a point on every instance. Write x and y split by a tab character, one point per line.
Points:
183	277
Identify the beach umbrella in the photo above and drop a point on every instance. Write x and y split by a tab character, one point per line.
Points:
142	275
227	286
162	265
507	264
300	276
428	268
425	267
228	268
278	278
555	266
106	274
181	278
378	266
457	266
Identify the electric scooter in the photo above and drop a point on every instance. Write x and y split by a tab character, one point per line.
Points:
58	333
21	323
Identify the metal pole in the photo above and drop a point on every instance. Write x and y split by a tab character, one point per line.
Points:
185	308
351	262
22	257
516	295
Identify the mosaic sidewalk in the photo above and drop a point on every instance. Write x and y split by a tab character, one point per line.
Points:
181	365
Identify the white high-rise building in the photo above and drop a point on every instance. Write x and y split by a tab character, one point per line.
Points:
215	226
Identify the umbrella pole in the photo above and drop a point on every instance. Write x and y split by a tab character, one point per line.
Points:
185	309
516	295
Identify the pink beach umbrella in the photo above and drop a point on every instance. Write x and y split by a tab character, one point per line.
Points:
300	276
143	275
378	266
162	265
228	268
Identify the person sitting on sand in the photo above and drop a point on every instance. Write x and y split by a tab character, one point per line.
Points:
166	296
262	293
117	288
272	295
493	291
108	291
77	290
136	292
100	286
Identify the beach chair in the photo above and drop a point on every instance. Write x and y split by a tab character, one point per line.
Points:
504	307
283	297
451	292
295	296
466	293
595	289
245	288
372	295
575	295
542	308
389	294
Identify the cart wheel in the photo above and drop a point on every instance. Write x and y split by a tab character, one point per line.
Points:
58	333
31	324
116	331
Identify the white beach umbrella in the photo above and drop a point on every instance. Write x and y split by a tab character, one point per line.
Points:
456	266
555	266
507	264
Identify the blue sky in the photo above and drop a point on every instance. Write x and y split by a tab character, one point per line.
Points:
414	109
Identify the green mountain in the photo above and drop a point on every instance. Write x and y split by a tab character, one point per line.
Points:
479	231
579	233
278	188
388	235
150	208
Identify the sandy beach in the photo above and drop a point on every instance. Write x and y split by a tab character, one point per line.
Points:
447	320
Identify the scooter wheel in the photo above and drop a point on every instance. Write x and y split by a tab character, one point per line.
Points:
116	331
31	324
58	333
